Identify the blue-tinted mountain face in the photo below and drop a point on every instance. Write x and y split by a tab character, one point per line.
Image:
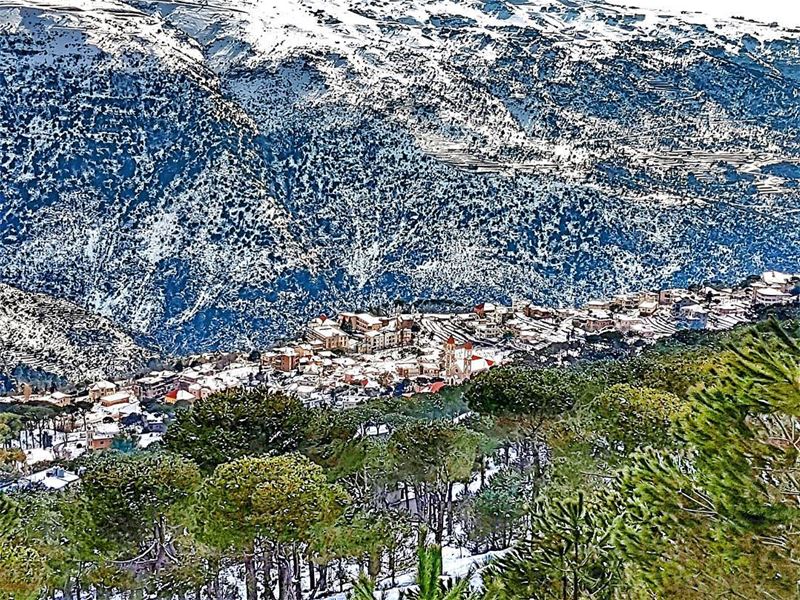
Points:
212	175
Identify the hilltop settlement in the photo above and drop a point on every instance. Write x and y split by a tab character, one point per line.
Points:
343	360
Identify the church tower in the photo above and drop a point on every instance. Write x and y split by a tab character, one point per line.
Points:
467	361
449	360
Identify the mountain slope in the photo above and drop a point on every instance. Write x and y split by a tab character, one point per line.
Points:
213	173
49	339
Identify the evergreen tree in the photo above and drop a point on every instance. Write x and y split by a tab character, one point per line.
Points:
432	457
279	499
234	424
569	556
721	517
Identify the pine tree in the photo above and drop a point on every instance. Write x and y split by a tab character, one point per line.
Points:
721	516
570	556
430	585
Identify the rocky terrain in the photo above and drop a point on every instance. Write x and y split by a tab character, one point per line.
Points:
45	340
213	173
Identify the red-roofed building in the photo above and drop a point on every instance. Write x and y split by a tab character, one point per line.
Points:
178	395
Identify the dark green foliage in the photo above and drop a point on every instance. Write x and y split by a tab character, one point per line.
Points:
20	572
231	425
433	452
724	516
126	493
570	554
281	498
430	457
63	533
366	533
626	418
494	516
10	427
524	393
9	517
447	404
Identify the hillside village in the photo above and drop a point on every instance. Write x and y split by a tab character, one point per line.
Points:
343	360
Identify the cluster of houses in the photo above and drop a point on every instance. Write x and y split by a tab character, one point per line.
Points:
344	360
655	314
643	315
354	356
132	409
349	334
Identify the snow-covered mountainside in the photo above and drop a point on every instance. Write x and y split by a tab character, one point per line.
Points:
45	339
212	172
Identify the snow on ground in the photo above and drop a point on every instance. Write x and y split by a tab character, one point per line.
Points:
111	25
784	12
56	337
456	563
36	455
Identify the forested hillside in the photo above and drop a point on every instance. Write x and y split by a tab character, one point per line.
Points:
51	341
213	174
668	475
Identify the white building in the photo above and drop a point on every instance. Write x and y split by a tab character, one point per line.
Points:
770	296
55	478
782	281
100	389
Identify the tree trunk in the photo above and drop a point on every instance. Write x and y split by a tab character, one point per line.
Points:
323	578
450	509
312	574
537	462
266	571
298	584
576	541
440	509
217	585
250	576
67	590
285	587
374	564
